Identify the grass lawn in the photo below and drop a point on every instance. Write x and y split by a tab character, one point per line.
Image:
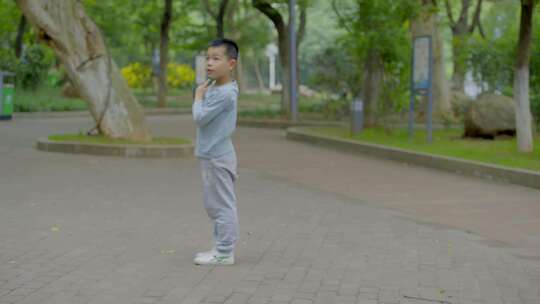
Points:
99	139
448	143
45	99
254	105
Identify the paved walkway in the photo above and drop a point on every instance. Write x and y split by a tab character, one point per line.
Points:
317	226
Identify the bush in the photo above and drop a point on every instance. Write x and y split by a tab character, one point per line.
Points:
180	75
8	61
32	69
139	75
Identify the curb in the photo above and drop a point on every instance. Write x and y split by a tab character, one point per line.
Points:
283	124
67	114
129	151
520	177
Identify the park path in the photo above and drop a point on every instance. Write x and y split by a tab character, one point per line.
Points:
317	226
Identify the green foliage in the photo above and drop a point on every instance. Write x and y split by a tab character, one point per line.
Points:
8	61
132	28
492	58
371	26
32	69
9	16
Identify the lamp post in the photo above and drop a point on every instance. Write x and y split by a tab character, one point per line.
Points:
292	60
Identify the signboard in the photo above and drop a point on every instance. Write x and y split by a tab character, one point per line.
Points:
421	81
421	60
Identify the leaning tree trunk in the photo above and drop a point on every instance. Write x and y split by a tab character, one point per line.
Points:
64	26
164	54
521	79
426	24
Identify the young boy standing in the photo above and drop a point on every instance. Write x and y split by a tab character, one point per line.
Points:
214	112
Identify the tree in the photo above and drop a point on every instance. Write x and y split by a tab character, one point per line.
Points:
164	53
462	28
521	78
95	76
249	29
426	23
21	29
377	37
282	29
218	15
219	18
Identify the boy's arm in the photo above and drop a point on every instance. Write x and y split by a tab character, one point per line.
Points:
203	113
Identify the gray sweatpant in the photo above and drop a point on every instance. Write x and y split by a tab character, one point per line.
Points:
219	176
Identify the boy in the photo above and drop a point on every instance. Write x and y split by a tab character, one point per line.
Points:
214	112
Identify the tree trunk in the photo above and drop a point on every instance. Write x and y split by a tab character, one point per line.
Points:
521	79
20	35
258	75
461	31
427	24
220	18
240	74
164	54
64	26
283	45
371	86
459	44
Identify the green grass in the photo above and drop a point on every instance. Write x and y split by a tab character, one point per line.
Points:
46	99
447	142
100	139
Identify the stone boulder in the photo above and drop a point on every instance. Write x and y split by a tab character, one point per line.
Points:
490	116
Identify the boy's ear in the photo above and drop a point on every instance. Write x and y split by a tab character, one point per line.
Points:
233	62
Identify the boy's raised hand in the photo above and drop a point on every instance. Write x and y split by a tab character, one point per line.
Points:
201	90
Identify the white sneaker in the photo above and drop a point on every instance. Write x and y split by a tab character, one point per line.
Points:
209	252
214	259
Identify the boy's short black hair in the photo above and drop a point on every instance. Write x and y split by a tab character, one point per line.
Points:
231	48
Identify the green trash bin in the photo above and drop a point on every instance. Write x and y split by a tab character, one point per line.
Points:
7	89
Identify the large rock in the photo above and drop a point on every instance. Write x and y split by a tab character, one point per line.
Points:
490	116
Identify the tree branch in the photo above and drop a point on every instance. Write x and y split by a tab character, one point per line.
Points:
209	9
340	17
302	25
270	12
450	14
464	14
476	19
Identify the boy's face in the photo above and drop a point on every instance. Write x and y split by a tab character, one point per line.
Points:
217	62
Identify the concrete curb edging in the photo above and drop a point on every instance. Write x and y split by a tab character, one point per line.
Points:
283	124
521	177
86	113
129	151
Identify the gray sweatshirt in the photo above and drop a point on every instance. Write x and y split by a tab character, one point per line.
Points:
215	117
